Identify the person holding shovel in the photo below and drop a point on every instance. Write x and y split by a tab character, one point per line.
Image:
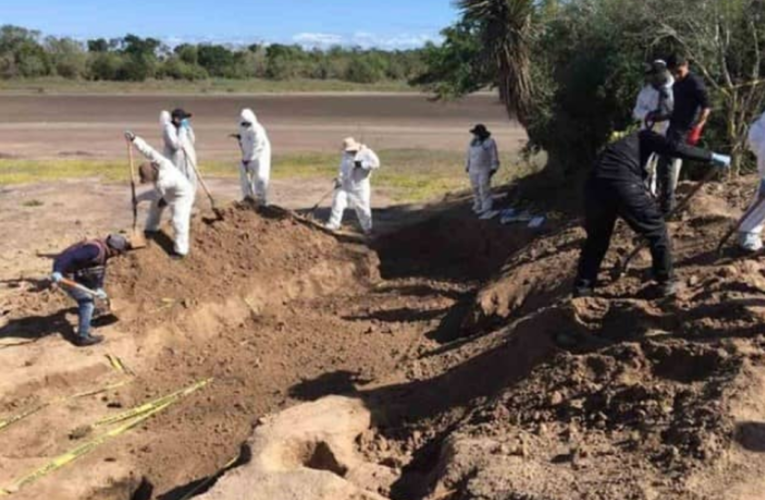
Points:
750	230
179	140
353	186
171	189
81	271
616	188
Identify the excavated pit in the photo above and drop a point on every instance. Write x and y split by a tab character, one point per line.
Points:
467	371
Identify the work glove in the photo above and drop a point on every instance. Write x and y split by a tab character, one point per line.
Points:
162	203
130	136
491	174
100	294
357	164
720	161
56	277
235	136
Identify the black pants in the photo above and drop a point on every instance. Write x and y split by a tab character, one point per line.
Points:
605	201
665	186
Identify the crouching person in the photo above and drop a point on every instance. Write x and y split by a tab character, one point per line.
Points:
85	264
171	189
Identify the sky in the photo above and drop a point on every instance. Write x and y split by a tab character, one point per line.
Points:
386	24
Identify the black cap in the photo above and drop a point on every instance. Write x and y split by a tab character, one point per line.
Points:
180	113
479	129
676	60
656	67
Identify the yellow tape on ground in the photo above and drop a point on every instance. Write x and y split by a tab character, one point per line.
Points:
146	407
149	410
117	364
26	413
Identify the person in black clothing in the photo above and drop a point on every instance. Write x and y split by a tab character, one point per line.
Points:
689	116
616	188
85	263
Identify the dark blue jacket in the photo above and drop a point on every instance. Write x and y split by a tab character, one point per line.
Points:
85	261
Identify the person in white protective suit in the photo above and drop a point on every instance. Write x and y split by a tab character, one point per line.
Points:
750	231
353	186
255	170
180	143
171	189
653	108
481	165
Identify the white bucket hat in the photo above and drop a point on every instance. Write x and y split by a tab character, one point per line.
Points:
350	145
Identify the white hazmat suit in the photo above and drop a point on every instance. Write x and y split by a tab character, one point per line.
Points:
354	187
180	147
172	186
481	164
255	170
750	232
650	100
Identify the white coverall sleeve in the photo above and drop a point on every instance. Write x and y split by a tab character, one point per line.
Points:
369	159
248	144
150	153
643	105
191	135
171	138
149	195
494	155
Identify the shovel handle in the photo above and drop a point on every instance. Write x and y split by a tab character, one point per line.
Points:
75	285
132	185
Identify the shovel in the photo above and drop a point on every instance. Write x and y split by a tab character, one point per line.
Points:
217	211
137	239
622	266
321	200
733	229
73	284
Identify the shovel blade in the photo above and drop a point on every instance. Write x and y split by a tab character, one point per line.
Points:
137	240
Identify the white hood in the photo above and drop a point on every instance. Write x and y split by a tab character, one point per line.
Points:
164	118
247	115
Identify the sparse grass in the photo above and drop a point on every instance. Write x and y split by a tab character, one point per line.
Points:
212	86
407	175
32	203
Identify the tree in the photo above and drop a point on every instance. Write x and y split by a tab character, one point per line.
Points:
98	45
67	57
506	35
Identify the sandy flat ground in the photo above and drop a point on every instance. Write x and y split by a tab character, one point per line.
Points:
49	126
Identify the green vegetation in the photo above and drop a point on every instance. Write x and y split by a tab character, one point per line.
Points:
570	70
407	175
53	85
27	54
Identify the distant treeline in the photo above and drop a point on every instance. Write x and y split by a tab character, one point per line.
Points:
27	54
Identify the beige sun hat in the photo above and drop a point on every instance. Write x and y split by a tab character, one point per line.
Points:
351	145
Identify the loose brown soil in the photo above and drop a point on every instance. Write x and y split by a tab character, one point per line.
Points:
483	378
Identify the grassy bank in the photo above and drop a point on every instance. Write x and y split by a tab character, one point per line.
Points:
212	86
410	175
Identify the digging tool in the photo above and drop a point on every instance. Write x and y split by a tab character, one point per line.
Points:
217	211
73	284
323	197
621	267
738	224
137	238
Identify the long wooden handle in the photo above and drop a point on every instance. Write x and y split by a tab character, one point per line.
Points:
199	177
132	184
74	284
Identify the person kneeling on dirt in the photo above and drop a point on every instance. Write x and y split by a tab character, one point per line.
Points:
616	188
85	264
750	231
172	189
353	186
481	165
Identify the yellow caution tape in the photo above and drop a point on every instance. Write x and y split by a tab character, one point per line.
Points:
118	365
147	407
26	413
85	448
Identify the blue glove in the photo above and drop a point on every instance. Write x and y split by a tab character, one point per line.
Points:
720	161
100	294
185	123
56	277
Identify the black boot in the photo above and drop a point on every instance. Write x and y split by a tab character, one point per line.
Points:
88	340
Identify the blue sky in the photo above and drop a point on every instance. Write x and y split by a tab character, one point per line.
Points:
387	23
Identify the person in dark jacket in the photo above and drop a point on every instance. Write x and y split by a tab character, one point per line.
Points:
689	116
616	188
85	263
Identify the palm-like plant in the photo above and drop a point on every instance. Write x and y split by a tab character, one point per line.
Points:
507	28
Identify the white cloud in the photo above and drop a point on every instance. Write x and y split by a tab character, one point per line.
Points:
365	40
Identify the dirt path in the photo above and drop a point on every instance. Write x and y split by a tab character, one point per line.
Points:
91	126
